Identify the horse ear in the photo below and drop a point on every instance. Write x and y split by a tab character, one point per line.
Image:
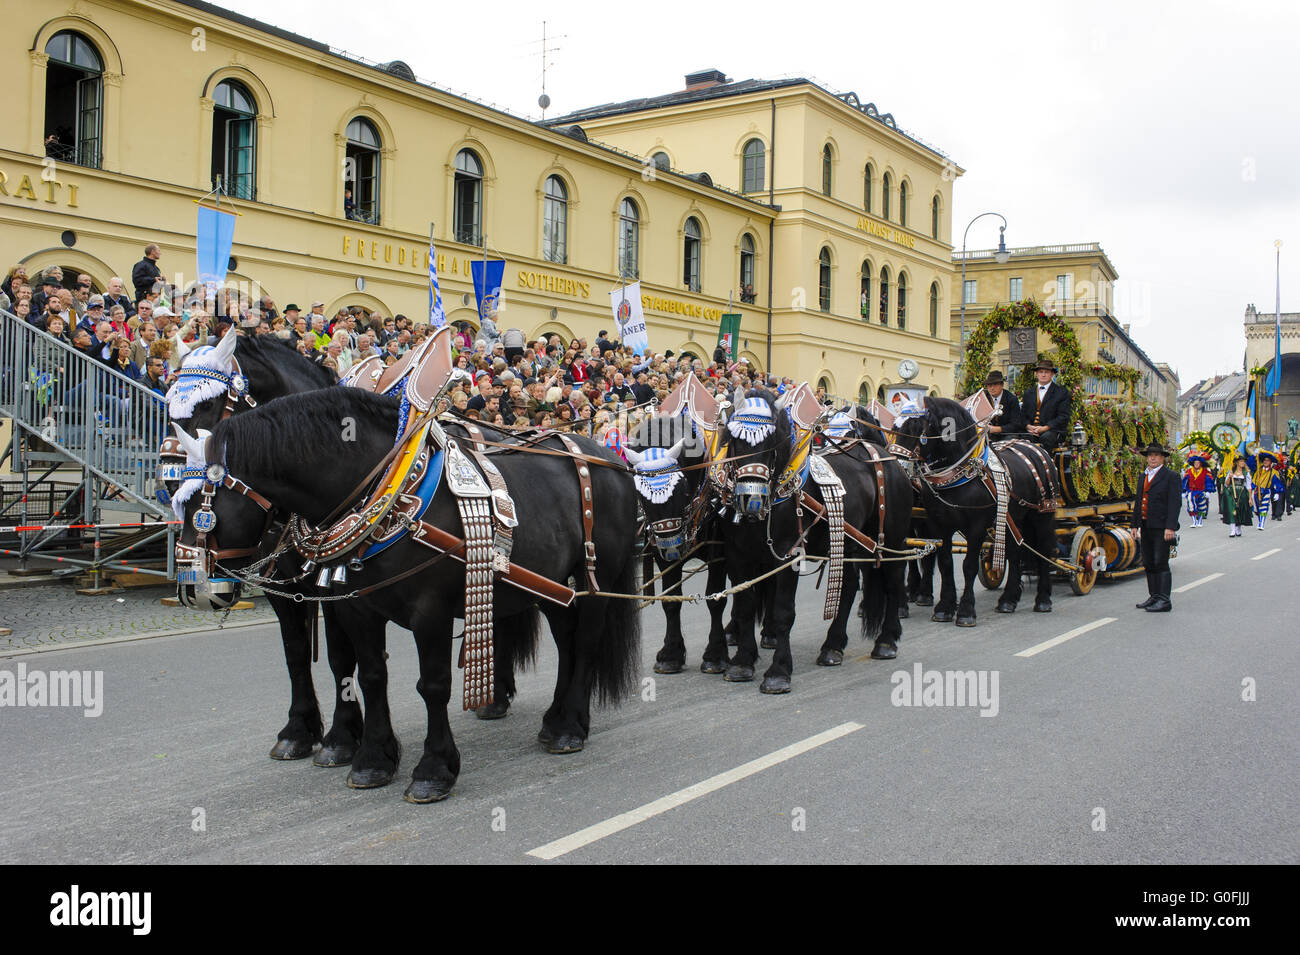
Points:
633	456
225	350
194	447
675	452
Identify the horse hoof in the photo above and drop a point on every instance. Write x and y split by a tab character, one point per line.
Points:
775	685
941	616
330	757
738	673
567	743
669	666
884	650
493	711
713	666
903	611
544	736
369	778
830	658
292	749
1042	606
1006	606
423	791
965	620
925	600
768	643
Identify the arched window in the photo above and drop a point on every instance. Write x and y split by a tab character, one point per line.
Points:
753	166
555	221
468	220
866	188
691	255
661	161
864	393
902	203
629	239
934	217
747	293
234	143
901	296
934	309
884	295
361	171
864	306
824	280
74	100
826	170
824	384
886	183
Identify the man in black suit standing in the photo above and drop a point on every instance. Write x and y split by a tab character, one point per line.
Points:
1046	407
1006	421
1155	514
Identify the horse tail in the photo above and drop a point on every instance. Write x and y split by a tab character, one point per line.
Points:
516	638
874	584
618	656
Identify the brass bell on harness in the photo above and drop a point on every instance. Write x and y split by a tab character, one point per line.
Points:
355	565
323	578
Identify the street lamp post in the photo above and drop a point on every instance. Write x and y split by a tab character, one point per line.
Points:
1001	256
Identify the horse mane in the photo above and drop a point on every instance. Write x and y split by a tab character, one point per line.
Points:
272	356
939	411
866	426
269	438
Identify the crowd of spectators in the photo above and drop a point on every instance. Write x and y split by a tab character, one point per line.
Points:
600	389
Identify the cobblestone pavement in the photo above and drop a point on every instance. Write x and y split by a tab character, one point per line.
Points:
53	615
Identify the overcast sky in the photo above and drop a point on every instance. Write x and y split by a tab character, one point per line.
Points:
1167	131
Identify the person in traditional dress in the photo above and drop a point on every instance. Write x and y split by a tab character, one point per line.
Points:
1155	521
1198	484
1292	486
1266	481
1234	497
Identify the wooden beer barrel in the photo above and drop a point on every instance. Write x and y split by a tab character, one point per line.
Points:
1122	550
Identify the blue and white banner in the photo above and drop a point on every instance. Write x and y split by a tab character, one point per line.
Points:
213	238
437	317
488	276
626	305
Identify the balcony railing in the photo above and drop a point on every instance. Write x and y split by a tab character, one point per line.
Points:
1028	250
78	154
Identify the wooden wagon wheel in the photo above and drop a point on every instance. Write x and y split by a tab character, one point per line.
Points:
985	572
1081	553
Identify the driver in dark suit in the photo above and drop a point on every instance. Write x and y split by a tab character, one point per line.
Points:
1046	407
1155	517
1006	421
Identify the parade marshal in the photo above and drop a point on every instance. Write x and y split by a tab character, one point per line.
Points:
1155	517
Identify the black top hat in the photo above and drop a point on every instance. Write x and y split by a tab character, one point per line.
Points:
994	378
292	308
1045	364
1154	448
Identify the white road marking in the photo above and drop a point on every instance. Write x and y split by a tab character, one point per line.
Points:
1267	553
1196	583
584	837
1070	635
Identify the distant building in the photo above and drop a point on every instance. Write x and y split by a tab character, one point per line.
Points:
1260	349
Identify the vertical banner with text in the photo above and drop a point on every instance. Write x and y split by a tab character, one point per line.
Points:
625	303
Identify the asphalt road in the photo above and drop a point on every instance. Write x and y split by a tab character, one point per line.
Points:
1130	742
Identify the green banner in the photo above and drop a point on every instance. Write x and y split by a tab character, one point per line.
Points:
729	335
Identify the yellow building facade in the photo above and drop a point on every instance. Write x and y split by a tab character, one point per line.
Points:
1075	281
153	101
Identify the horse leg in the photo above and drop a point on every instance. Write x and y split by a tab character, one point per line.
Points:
305	727
969	568
837	637
340	743
513	646
438	768
563	621
672	655
770	633
943	610
1012	589
1045	525
780	617
741	668
376	759
715	654
891	629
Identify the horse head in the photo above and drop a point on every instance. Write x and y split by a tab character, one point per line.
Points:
760	437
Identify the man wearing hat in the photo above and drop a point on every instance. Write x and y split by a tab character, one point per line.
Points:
1267	483
1155	517
1046	407
1198	484
1005	421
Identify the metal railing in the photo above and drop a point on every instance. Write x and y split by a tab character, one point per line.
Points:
104	421
1075	249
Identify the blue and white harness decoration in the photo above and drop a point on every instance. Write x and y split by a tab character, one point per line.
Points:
204	376
753	422
656	475
839	426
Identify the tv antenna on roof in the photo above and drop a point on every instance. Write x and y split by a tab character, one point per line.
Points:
544	101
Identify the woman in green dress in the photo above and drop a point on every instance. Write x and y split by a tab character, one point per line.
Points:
1234	498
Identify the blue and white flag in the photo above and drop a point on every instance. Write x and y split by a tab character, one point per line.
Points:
1274	380
626	305
213	238
488	276
437	317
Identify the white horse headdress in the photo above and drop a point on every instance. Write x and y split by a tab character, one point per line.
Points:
839	426
655	471
205	373
753	422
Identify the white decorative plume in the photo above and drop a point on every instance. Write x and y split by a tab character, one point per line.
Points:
192	387
753	422
194	458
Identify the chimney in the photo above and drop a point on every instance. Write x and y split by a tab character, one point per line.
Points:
704	79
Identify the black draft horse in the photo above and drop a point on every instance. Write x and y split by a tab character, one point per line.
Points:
769	530
307	454
943	436
681	510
